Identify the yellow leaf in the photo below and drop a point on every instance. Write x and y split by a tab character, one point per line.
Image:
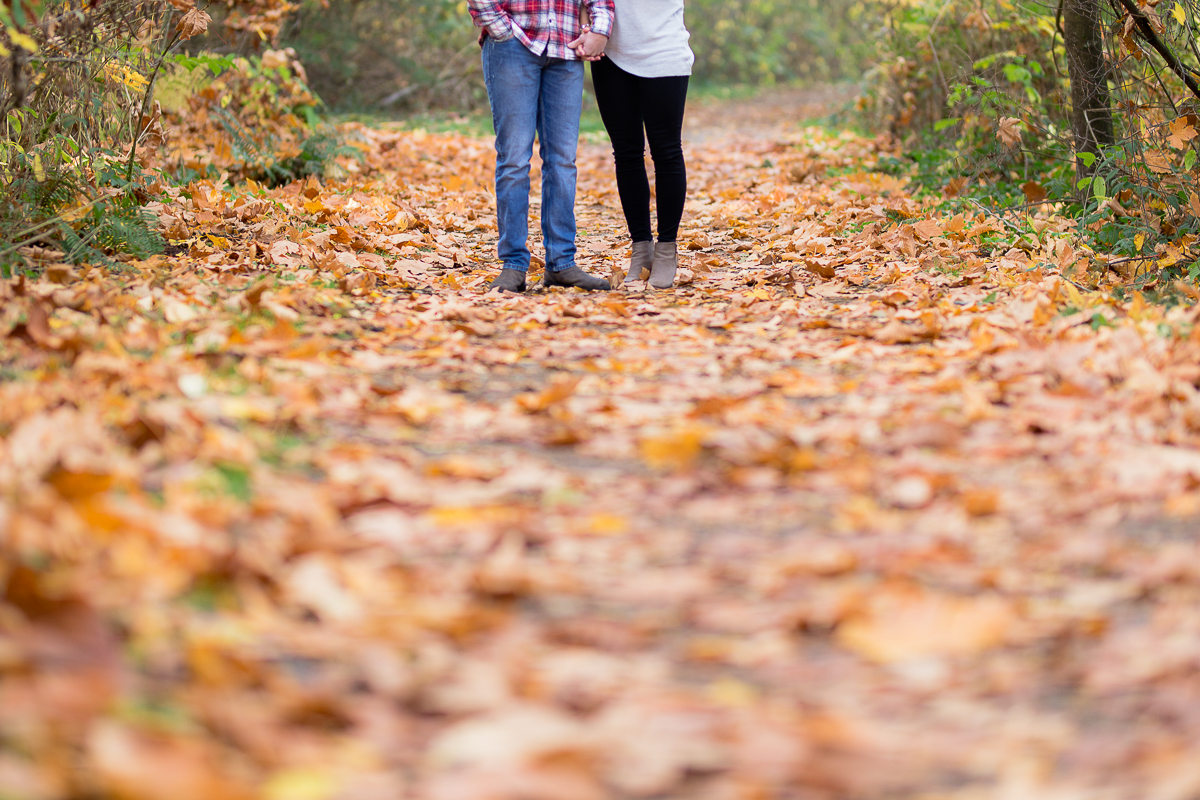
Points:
300	783
1179	14
677	449
22	40
1074	297
121	74
39	171
1138	241
606	524
1138	307
732	692
761	294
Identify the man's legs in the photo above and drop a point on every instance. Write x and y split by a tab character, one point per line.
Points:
559	107
513	76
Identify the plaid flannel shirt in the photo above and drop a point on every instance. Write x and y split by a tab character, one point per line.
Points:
544	26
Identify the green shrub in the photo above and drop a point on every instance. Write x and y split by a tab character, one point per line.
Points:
764	42
414	55
389	54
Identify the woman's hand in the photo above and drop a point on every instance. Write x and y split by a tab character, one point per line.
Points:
589	46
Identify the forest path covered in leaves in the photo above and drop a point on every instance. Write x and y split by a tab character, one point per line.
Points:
868	506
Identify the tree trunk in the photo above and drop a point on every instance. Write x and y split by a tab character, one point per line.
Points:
1091	114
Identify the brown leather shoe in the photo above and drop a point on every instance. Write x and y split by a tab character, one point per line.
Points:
574	276
509	280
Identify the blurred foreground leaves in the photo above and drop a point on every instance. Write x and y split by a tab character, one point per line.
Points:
873	504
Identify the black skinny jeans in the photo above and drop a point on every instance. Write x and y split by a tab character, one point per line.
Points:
635	110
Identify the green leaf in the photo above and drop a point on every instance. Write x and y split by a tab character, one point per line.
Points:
1189	160
1016	74
1099	188
1084	183
942	124
1087	158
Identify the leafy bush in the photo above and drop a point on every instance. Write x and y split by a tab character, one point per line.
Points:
83	140
979	93
76	83
252	117
389	54
763	42
406	55
965	62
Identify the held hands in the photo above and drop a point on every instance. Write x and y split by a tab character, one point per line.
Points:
589	46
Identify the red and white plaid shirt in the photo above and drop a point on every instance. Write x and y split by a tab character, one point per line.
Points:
544	26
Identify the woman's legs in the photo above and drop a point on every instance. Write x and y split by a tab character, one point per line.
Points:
636	109
618	94
663	101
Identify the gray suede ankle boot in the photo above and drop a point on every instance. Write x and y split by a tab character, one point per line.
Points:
666	261
641	262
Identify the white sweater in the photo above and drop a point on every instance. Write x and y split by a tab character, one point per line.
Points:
649	39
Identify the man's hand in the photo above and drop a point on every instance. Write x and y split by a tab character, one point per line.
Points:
589	46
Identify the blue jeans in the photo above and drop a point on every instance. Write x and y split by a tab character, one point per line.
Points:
534	94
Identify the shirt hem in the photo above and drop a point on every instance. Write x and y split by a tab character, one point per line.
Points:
644	72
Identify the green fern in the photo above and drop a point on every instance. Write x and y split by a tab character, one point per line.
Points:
106	231
245	149
316	153
130	233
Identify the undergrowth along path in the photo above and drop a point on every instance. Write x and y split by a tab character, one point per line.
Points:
870	505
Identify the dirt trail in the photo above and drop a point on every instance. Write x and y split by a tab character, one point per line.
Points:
767	116
864	508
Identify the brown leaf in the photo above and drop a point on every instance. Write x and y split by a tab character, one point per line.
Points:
902	624
1034	192
817	268
194	23
927	229
1008	129
1157	162
557	393
140	766
897	332
1181	132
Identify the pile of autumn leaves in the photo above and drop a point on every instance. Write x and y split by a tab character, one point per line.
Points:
214	586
